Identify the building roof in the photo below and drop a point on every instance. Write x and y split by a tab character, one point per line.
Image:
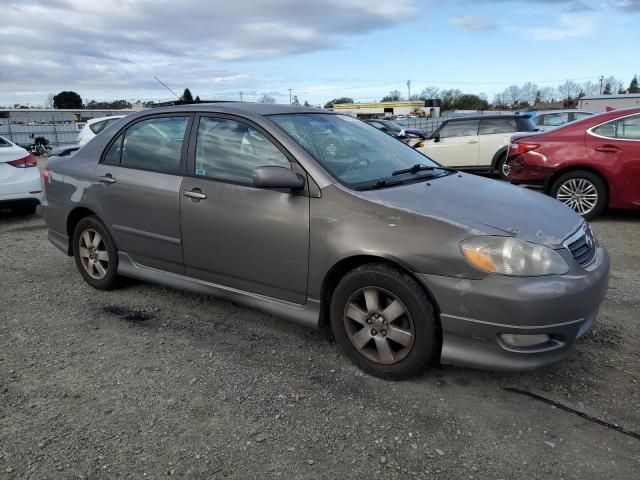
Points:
611	97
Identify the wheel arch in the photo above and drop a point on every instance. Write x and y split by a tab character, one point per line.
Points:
74	217
345	265
497	156
548	184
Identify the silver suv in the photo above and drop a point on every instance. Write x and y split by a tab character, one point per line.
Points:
324	220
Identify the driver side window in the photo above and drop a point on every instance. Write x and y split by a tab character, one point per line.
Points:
230	150
467	128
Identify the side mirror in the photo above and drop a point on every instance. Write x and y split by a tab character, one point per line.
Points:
277	177
436	137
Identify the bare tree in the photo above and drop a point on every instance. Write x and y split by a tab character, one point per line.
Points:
49	101
548	94
266	98
528	93
512	95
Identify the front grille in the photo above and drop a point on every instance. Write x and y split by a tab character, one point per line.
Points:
582	246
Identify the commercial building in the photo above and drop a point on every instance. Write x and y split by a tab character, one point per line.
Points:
602	103
429	108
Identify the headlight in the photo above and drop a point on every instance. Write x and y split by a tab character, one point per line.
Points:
510	256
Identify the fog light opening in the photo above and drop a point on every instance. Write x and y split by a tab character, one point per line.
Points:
514	340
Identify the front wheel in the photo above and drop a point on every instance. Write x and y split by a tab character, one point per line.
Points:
503	168
384	322
582	191
95	254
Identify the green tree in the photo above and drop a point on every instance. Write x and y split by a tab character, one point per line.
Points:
186	96
67	99
633	86
295	101
469	101
197	99
307	104
607	89
394	96
336	101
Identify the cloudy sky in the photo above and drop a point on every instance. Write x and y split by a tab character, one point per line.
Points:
109	49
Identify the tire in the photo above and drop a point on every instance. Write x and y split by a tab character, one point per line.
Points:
357	320
592	188
503	168
103	274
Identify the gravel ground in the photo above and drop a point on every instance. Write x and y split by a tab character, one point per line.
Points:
150	381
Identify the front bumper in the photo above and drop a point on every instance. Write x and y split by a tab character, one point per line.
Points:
474	313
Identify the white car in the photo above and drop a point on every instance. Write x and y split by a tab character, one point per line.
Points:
20	182
476	143
95	126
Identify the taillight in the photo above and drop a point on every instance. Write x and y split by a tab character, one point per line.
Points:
519	148
26	162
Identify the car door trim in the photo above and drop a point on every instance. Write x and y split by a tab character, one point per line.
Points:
146	234
307	314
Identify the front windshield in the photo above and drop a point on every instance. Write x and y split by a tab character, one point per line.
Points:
355	153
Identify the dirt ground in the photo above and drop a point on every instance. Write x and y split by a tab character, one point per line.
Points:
152	382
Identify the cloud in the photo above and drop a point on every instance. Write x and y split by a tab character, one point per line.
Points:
472	24
625	5
118	45
568	26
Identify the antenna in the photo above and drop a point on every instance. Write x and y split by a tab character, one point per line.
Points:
165	86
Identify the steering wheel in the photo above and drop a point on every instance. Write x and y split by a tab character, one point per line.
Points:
332	146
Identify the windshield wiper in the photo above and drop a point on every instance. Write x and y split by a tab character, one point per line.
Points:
382	183
419	167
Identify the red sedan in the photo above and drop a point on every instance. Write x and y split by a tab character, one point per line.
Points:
587	165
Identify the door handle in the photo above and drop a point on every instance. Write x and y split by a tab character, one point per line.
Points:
608	149
472	141
195	194
107	179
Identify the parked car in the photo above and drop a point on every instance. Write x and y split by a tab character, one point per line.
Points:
317	217
588	164
476	143
548	119
95	126
20	182
410	136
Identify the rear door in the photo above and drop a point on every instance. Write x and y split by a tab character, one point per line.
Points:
458	145
138	189
494	135
234	234
616	144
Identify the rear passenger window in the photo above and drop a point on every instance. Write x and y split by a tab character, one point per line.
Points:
498	125
555	119
467	128
625	128
230	150
155	144
97	126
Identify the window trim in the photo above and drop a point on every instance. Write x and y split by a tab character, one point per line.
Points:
183	151
591	132
191	155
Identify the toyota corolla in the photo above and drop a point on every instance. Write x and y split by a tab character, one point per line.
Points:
324	220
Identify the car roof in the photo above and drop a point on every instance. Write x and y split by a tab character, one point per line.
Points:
234	107
537	113
99	119
488	117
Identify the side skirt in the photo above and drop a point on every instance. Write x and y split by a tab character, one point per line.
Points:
307	314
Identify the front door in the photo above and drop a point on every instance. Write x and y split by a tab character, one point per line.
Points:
138	185
458	144
233	233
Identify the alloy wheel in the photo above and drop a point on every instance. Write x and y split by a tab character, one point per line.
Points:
579	194
379	325
506	169
93	254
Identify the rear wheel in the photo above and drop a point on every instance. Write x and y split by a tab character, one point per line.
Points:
584	192
384	322
95	254
503	168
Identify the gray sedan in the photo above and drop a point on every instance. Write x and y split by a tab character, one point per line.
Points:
324	220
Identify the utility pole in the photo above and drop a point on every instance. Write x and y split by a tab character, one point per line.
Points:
240	96
290	90
601	80
409	89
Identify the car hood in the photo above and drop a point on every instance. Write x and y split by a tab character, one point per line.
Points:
489	206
